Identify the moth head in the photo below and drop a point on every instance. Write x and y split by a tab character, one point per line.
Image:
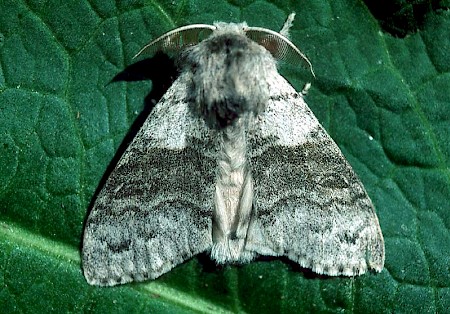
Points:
228	66
175	41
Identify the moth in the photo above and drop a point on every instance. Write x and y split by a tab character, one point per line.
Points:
230	161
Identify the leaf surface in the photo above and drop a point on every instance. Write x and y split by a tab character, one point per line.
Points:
384	99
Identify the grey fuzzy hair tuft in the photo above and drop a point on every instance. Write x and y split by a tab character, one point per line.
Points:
229	74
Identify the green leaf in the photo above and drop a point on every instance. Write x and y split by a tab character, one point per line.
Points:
384	99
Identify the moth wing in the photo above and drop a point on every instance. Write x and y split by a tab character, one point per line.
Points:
155	210
309	204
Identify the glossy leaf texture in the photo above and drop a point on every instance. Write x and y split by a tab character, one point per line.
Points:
70	100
